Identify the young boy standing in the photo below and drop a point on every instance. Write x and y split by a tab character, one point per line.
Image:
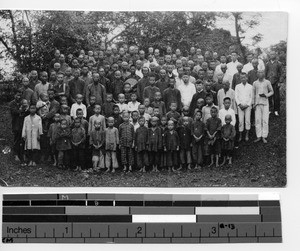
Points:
213	129
243	97
78	137
140	143
111	143
126	137
31	133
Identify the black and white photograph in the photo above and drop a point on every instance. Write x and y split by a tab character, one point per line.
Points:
143	98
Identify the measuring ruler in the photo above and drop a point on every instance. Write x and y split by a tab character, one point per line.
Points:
140	218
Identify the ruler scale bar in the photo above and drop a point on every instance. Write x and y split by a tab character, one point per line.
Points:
141	218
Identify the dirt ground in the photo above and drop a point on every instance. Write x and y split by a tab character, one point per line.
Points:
254	165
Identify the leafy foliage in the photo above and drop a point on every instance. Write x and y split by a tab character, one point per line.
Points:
33	36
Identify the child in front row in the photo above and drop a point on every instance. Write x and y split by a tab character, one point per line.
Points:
213	130
63	144
227	133
78	137
197	130
126	143
97	142
185	143
31	133
171	146
154	144
111	143
140	143
164	129
52	137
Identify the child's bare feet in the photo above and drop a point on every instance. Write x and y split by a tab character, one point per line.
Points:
257	140
124	169
30	163
230	161
224	161
189	167
108	170
113	170
17	158
264	140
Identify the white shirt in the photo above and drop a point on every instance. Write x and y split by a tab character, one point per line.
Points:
123	107
136	125
178	82
187	91
221	95
231	69
139	73
175	72
192	80
243	94
222	114
133	106
247	67
74	108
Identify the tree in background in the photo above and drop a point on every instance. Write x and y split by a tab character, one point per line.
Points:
33	36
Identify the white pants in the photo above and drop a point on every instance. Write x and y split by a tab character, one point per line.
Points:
244	118
262	120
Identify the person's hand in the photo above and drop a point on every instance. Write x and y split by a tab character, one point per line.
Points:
177	148
136	148
165	149
262	95
119	146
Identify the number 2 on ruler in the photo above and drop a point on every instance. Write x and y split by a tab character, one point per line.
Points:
139	230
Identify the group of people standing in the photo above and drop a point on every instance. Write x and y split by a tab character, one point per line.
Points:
118	107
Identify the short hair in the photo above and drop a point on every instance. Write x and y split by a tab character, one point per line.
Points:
116	106
196	111
208	95
214	108
79	110
76	119
134	112
151	75
226	98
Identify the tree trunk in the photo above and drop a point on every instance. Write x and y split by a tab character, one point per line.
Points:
30	41
236	16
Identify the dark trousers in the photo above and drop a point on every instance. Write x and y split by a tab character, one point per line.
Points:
78	156
154	158
17	145
185	156
127	156
64	158
197	152
274	100
172	158
142	159
32	155
45	146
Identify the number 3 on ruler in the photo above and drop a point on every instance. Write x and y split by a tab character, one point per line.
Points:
213	230
139	230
